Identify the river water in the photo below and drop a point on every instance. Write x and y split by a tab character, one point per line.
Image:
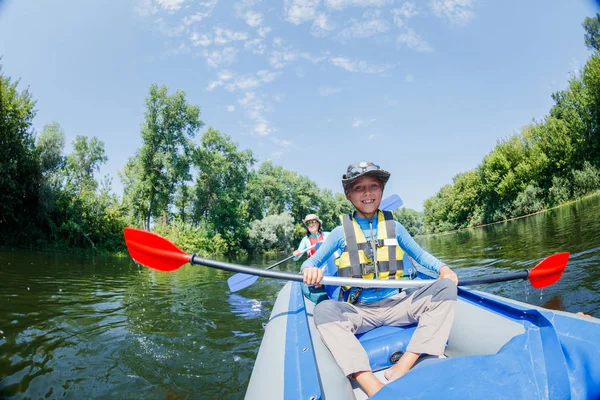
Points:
75	327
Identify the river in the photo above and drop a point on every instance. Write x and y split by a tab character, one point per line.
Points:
90	327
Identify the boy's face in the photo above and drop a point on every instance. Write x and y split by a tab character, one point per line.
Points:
365	194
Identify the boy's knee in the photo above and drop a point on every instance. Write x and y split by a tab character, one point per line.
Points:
331	311
445	290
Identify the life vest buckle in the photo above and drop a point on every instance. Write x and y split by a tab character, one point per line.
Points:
368	269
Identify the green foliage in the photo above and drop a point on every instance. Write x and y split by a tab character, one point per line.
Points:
560	191
50	144
151	177
528	201
592	32
412	220
193	238
585	180
83	162
220	190
20	171
274	232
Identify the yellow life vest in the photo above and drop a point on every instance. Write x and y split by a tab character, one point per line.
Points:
361	260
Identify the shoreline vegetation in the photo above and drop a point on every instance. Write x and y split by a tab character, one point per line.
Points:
208	196
569	202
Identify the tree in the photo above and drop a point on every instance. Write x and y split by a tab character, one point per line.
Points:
220	190
86	159
50	144
592	32
269	190
412	220
152	175
20	171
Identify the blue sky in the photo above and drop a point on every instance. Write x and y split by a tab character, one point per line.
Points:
423	88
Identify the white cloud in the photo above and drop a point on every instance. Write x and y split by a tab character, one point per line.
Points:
371	24
362	122
217	58
328	91
266	76
342	4
232	82
412	40
263	31
200	40
253	18
456	11
170	5
321	26
359	66
255	46
255	108
244	82
167	30
230	108
298	11
279	59
224	36
283	142
408	10
409	77
371	136
207	9
146	8
225	75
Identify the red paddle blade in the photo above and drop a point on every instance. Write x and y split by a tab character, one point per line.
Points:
549	270
154	251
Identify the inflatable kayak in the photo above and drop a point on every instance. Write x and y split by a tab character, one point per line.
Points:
498	349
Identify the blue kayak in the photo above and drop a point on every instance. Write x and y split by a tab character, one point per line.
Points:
498	349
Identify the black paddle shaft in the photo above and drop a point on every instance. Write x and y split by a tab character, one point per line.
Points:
513	276
194	259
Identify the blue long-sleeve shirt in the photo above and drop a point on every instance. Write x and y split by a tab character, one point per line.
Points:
335	242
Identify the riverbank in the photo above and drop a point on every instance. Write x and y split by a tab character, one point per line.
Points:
567	203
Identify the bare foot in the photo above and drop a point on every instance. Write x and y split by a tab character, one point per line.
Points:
585	315
401	367
392	375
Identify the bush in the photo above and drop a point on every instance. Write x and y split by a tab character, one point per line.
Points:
586	180
560	191
528	201
193	239
274	232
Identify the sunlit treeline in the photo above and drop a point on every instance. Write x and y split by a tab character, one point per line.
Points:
546	164
197	188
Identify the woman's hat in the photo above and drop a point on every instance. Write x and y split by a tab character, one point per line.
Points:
312	217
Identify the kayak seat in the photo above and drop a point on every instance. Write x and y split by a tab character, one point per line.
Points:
380	343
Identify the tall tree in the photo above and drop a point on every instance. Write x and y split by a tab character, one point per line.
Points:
592	32
220	190
86	159
20	171
269	191
162	163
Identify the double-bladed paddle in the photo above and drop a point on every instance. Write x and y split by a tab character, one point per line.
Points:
154	251
241	281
